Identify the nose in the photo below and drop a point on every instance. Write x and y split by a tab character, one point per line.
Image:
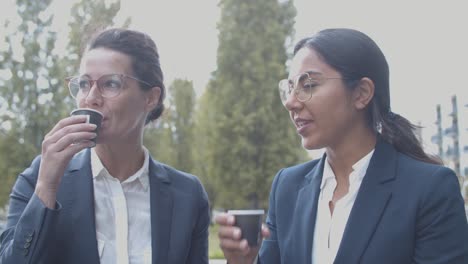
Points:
94	97
291	102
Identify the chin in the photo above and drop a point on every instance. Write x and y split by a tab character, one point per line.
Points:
311	144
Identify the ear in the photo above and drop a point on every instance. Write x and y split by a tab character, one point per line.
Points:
152	98
363	93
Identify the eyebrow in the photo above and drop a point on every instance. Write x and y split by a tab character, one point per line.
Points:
309	72
313	72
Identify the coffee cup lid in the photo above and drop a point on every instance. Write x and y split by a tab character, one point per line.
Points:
86	109
246	212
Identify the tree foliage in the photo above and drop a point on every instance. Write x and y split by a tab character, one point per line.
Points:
33	93
171	139
248	134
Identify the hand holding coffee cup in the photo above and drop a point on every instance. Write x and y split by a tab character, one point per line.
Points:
93	117
250	223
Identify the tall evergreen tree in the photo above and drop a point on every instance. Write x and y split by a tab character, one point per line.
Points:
170	140
87	18
28	91
249	136
33	94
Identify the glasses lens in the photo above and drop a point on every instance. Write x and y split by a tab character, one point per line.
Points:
110	85
284	87
304	86
79	85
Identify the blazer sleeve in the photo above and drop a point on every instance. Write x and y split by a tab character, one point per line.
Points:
199	247
269	251
29	230
441	228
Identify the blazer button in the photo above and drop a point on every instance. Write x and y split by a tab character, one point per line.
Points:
29	239
27	245
26	251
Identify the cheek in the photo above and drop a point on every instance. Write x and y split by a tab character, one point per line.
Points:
80	102
328	110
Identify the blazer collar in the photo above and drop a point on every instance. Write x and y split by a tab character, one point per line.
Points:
161	198
305	214
80	161
374	194
77	195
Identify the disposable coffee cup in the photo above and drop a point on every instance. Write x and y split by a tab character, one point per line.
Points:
250	223
92	116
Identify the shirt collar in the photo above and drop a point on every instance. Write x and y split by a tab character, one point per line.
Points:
360	167
328	174
359	170
98	169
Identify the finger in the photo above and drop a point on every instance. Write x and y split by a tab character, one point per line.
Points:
224	219
52	138
72	139
235	246
75	148
66	122
265	231
229	232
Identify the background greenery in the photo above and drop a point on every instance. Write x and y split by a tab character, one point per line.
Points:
234	137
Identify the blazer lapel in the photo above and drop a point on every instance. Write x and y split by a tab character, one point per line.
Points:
371	201
305	213
78	197
161	211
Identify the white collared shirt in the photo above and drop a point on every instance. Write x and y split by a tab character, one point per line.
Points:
329	228
122	214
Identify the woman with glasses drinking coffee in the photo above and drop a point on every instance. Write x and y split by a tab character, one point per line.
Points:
98	196
375	196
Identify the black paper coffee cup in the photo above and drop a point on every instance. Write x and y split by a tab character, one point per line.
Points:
93	117
250	223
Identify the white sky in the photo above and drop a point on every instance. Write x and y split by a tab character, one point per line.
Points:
425	43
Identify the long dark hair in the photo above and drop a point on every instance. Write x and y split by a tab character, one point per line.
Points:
145	59
355	56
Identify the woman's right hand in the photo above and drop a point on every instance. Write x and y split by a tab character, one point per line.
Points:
235	249
68	137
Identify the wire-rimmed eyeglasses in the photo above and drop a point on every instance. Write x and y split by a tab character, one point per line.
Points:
302	86
109	85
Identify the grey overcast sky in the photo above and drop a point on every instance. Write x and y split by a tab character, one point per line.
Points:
425	43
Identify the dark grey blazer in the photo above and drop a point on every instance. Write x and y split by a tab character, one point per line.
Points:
406	211
36	234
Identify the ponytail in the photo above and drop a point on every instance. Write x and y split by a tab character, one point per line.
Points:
399	132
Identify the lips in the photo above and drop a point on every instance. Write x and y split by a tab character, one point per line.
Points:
302	124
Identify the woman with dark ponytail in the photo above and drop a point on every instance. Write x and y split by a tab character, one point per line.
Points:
375	196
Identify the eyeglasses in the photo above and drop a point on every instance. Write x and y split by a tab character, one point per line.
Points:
302	86
109	85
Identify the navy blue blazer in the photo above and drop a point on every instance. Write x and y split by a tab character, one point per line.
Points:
406	211
67	235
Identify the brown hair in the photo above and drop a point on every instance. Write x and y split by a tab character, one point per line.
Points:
145	59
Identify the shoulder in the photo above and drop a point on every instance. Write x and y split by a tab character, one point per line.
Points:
428	185
421	172
178	180
295	175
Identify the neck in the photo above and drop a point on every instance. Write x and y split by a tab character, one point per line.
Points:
345	154
121	160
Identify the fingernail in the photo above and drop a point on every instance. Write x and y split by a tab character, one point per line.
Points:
244	244
231	219
237	233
